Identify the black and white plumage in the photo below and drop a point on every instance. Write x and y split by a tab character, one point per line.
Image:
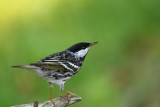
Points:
59	67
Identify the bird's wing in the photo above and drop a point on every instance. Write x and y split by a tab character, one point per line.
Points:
56	61
49	65
56	65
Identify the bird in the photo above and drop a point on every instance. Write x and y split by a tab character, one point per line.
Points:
59	67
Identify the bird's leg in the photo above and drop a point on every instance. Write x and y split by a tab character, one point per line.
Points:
62	87
68	94
50	86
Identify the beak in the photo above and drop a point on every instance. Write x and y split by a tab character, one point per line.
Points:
93	43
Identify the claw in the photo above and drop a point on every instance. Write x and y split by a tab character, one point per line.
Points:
52	101
68	95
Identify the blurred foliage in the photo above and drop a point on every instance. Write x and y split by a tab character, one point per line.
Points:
123	70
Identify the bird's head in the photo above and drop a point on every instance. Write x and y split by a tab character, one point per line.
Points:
81	49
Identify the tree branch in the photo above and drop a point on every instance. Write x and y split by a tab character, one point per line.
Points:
62	101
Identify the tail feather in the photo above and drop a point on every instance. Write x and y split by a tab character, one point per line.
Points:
18	66
25	66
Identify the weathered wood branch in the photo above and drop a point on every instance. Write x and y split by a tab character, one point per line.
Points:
62	101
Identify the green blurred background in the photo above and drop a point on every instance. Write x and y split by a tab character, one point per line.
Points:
123	70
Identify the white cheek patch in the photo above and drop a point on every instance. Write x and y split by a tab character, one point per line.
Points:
82	53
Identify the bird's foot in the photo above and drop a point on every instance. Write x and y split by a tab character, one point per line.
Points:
68	95
52	101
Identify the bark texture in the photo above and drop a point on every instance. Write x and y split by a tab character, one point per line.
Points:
62	101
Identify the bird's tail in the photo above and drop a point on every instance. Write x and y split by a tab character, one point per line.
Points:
30	67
